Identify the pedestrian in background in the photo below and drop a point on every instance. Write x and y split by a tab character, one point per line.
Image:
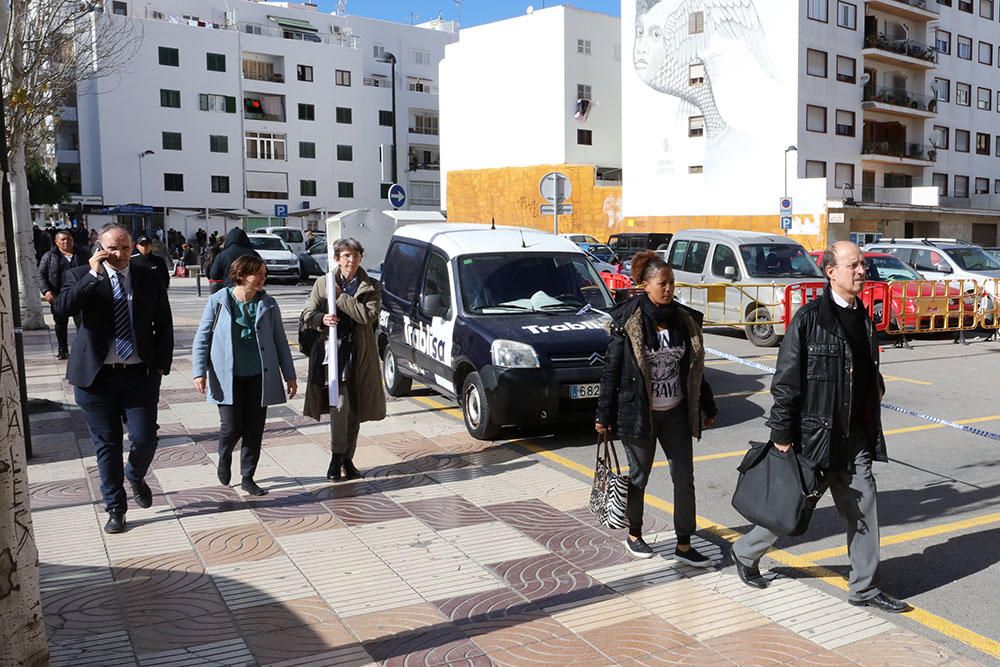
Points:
358	302
144	256
52	271
124	346
237	245
833	420
653	389
239	356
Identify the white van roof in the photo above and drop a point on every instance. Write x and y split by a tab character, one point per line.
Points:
456	238
735	235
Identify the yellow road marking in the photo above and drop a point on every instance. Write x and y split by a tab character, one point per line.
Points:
737	394
896	378
805	563
928	427
931	531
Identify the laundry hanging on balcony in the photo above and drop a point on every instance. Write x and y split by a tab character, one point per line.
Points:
582	110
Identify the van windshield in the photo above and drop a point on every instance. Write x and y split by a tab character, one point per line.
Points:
973	259
511	283
778	260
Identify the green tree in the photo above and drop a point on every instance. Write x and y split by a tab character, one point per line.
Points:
43	188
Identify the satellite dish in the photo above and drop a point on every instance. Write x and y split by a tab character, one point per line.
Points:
529	10
865	78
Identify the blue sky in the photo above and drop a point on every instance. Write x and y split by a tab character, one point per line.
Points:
474	12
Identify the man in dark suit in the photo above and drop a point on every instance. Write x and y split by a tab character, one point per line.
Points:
144	256
52	271
124	346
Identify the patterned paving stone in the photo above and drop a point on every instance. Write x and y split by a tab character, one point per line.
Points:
180	455
63	493
547	578
697	610
303	524
285	505
206	500
349	656
231	545
228	652
416	465
447	512
437	645
492	542
696	654
370	627
279	615
771	645
182	633
106	649
370	508
406	444
586	548
637	638
297	641
534	518
254	583
898	648
552	652
166	588
81	611
597	612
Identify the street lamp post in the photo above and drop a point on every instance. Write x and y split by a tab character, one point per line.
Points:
787	151
143	154
391	59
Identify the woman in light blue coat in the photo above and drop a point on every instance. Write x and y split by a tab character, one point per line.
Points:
240	355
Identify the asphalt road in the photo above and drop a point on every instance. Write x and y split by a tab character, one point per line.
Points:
938	496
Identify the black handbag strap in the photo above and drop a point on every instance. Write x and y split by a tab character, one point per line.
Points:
759	451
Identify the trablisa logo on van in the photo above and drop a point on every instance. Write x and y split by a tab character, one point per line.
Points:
420	338
565	326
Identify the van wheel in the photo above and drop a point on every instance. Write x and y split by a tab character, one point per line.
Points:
396	384
761	335
476	409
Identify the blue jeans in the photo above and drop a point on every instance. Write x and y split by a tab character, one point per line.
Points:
131	393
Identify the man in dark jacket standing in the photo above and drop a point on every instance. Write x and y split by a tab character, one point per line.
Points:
51	276
237	245
827	391
144	256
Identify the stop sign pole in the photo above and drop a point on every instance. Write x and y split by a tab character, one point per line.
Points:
555	188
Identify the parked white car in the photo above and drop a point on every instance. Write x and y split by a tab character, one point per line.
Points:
293	236
282	263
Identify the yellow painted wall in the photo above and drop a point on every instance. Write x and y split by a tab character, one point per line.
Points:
510	196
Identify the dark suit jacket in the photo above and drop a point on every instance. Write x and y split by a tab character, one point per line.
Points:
90	297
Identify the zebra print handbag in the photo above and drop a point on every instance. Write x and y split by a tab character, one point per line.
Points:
609	494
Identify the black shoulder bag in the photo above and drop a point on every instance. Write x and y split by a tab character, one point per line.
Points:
777	491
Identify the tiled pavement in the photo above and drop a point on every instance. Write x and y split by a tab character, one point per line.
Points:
450	551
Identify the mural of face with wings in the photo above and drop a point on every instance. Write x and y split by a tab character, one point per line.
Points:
673	46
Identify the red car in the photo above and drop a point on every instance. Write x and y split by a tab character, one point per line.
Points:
889	273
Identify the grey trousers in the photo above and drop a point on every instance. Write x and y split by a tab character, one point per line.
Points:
854	495
344	425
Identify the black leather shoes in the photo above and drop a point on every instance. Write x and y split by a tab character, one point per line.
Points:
141	493
251	487
116	523
225	471
63	355
884	602
333	471
350	470
750	574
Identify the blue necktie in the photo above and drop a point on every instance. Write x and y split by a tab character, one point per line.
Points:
123	323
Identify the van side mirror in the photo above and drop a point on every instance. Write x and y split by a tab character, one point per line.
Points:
942	268
730	272
433	305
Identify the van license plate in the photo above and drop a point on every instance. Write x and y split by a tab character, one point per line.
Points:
592	390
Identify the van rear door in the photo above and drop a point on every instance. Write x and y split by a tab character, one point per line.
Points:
403	266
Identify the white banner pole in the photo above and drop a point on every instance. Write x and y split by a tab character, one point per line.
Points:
333	369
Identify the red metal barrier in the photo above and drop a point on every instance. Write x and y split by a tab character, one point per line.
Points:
616	281
874	297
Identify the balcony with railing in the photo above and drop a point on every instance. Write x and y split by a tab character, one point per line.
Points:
915	10
907	52
261	106
376	81
912	195
899	102
424	124
337	38
899	152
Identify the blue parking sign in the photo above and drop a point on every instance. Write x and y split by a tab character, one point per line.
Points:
281	210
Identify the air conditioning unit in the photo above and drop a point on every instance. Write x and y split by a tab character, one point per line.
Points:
336	29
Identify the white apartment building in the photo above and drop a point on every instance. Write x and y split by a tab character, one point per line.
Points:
889	106
234	109
511	92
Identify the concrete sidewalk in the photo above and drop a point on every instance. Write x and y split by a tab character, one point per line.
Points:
450	551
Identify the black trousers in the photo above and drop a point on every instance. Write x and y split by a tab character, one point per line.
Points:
244	419
672	429
62	328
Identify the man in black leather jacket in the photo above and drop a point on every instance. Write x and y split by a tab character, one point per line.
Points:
827	391
51	275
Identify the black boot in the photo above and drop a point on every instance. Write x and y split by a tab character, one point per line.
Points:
251	487
225	471
350	471
333	472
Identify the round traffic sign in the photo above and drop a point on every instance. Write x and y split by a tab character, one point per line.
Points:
397	195
555	187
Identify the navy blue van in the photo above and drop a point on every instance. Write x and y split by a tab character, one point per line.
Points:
504	320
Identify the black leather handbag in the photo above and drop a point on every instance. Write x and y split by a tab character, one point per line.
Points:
775	490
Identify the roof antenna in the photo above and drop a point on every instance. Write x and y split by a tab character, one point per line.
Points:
493	223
